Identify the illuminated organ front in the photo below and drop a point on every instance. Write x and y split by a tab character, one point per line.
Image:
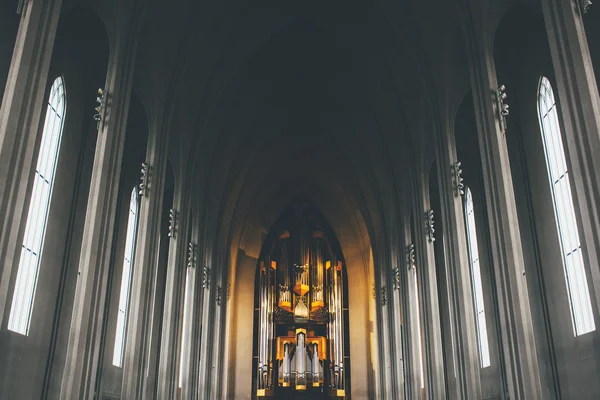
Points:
300	327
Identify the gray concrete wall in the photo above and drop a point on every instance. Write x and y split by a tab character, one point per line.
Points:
36	359
469	155
565	360
9	22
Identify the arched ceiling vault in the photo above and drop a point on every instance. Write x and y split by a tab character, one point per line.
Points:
327	100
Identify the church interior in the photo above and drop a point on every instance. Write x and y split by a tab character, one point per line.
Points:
299	200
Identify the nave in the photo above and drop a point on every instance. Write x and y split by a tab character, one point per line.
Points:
299	200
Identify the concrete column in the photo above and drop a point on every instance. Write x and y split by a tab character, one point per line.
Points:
195	330
395	303
172	322
80	379
20	133
139	320
514	317
151	387
216	342
458	277
579	108
384	324
209	321
433	352
412	358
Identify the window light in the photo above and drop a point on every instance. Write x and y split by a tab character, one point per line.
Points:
37	216
564	211
484	350
126	279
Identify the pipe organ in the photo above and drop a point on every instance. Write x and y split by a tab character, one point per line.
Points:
300	317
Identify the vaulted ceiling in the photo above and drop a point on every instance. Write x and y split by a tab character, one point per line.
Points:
335	101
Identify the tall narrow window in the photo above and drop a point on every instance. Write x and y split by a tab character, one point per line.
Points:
558	174
35	227
126	279
484	350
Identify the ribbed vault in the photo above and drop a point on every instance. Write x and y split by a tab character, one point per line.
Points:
334	103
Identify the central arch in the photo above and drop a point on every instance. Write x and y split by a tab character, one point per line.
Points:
300	337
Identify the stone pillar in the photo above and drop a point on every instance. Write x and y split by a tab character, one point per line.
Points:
433	352
579	108
89	310
20	133
172	322
514	314
458	277
208	317
200	281
395	304
151	387
384	324
215	343
412	358
136	357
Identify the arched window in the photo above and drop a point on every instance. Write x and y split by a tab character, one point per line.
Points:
35	227
126	278
484	349
558	174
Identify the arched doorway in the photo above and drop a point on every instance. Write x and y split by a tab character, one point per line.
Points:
301	311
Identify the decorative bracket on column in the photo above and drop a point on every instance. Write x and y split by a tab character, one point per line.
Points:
191	261
411	258
101	103
374	292
205	272
173	219
429	226
228	291
218	298
584	6
20	6
503	110
145	172
383	296
396	278
459	186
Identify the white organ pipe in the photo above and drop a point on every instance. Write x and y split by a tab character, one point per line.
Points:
315	363
300	361
286	364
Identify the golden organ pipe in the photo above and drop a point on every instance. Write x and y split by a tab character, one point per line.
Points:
301	296
316	265
285	295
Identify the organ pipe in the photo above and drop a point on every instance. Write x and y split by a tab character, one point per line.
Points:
266	332
315	364
300	359
285	295
286	365
300	329
316	263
